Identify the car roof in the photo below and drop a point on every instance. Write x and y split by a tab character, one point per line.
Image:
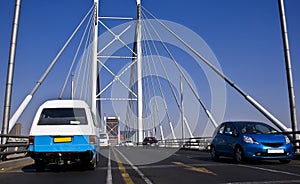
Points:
248	122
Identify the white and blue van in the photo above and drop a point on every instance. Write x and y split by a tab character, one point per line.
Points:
63	132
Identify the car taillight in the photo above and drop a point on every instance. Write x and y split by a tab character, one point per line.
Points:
92	139
31	140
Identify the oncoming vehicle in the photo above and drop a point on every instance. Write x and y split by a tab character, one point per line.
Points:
63	132
245	140
104	139
150	141
128	143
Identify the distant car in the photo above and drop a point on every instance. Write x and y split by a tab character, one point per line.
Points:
128	143
62	132
244	140
103	139
150	141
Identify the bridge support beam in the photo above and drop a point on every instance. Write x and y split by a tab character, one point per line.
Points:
10	70
138	42
95	63
288	65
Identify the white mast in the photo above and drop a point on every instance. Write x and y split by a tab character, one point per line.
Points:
288	64
94	61
139	72
10	70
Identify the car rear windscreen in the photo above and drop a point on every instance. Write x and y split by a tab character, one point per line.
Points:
103	136
63	116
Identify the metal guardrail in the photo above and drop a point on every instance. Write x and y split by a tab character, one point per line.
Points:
199	143
15	144
19	144
296	142
203	143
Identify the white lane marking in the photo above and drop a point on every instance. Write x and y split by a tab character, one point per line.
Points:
135	168
270	170
109	176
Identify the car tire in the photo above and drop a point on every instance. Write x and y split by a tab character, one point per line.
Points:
285	161
213	153
238	155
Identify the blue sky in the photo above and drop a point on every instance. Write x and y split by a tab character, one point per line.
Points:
244	35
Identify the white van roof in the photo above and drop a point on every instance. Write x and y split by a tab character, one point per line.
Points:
63	129
64	104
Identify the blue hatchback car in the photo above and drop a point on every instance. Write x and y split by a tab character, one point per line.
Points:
244	140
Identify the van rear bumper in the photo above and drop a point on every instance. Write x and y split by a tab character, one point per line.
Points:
54	157
65	143
48	148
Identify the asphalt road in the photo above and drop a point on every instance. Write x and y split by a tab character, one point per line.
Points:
153	165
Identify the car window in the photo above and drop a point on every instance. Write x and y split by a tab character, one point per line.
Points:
221	130
150	139
264	129
63	116
255	128
103	136
230	129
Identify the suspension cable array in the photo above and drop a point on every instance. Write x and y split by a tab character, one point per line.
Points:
147	80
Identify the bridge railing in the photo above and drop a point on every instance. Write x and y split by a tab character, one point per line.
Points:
19	144
199	143
15	146
203	143
296	142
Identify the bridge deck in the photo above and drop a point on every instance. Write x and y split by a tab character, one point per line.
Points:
183	166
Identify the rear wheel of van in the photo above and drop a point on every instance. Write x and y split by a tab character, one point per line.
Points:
39	165
91	165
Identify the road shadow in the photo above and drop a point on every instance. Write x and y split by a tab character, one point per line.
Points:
229	160
54	168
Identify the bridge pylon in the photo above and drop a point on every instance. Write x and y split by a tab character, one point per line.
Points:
136	70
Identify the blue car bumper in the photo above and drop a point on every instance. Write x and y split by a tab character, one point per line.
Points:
260	151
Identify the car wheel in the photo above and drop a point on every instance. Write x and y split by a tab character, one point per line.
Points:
285	161
238	155
213	153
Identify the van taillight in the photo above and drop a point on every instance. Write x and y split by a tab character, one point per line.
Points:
92	139
31	140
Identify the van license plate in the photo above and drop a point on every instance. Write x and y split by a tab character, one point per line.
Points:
62	139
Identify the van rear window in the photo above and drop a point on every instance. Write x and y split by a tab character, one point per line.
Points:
63	116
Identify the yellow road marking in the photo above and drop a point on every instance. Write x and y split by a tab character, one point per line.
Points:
197	169
122	169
